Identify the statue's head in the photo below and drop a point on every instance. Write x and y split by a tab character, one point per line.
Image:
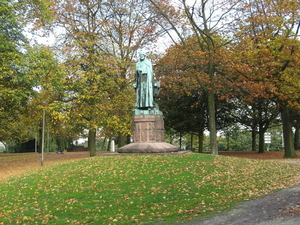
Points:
142	55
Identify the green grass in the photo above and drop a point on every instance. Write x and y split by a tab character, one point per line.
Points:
137	189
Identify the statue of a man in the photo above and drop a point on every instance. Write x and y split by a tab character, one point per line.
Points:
144	83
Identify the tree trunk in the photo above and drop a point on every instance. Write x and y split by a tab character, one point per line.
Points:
297	136
289	150
192	140
261	141
180	141
212	123
201	140
92	142
121	140
253	132
40	138
227	142
103	144
109	144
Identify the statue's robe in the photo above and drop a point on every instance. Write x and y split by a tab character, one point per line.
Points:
144	84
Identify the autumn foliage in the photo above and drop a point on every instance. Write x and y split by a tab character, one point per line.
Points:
233	50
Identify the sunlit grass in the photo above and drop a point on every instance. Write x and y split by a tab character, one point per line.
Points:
138	189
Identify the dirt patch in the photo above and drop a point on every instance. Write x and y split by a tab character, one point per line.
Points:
269	156
13	164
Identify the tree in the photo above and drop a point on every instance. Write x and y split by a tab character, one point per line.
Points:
184	113
46	73
257	116
265	56
236	139
16	86
10	95
206	22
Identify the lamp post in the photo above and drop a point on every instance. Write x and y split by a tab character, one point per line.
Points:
43	131
43	137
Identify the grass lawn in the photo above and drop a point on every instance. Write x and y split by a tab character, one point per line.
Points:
137	189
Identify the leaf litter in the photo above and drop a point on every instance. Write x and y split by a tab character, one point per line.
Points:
134	189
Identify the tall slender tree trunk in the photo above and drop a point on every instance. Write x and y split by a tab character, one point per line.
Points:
92	142
201	140
297	136
192	141
253	133
180	141
227	142
212	122
40	140
289	150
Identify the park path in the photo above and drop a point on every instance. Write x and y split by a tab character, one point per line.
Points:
279	208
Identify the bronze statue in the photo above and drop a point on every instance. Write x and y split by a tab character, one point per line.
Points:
144	83
146	88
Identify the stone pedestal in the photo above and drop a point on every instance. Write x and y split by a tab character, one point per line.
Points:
148	134
148	128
